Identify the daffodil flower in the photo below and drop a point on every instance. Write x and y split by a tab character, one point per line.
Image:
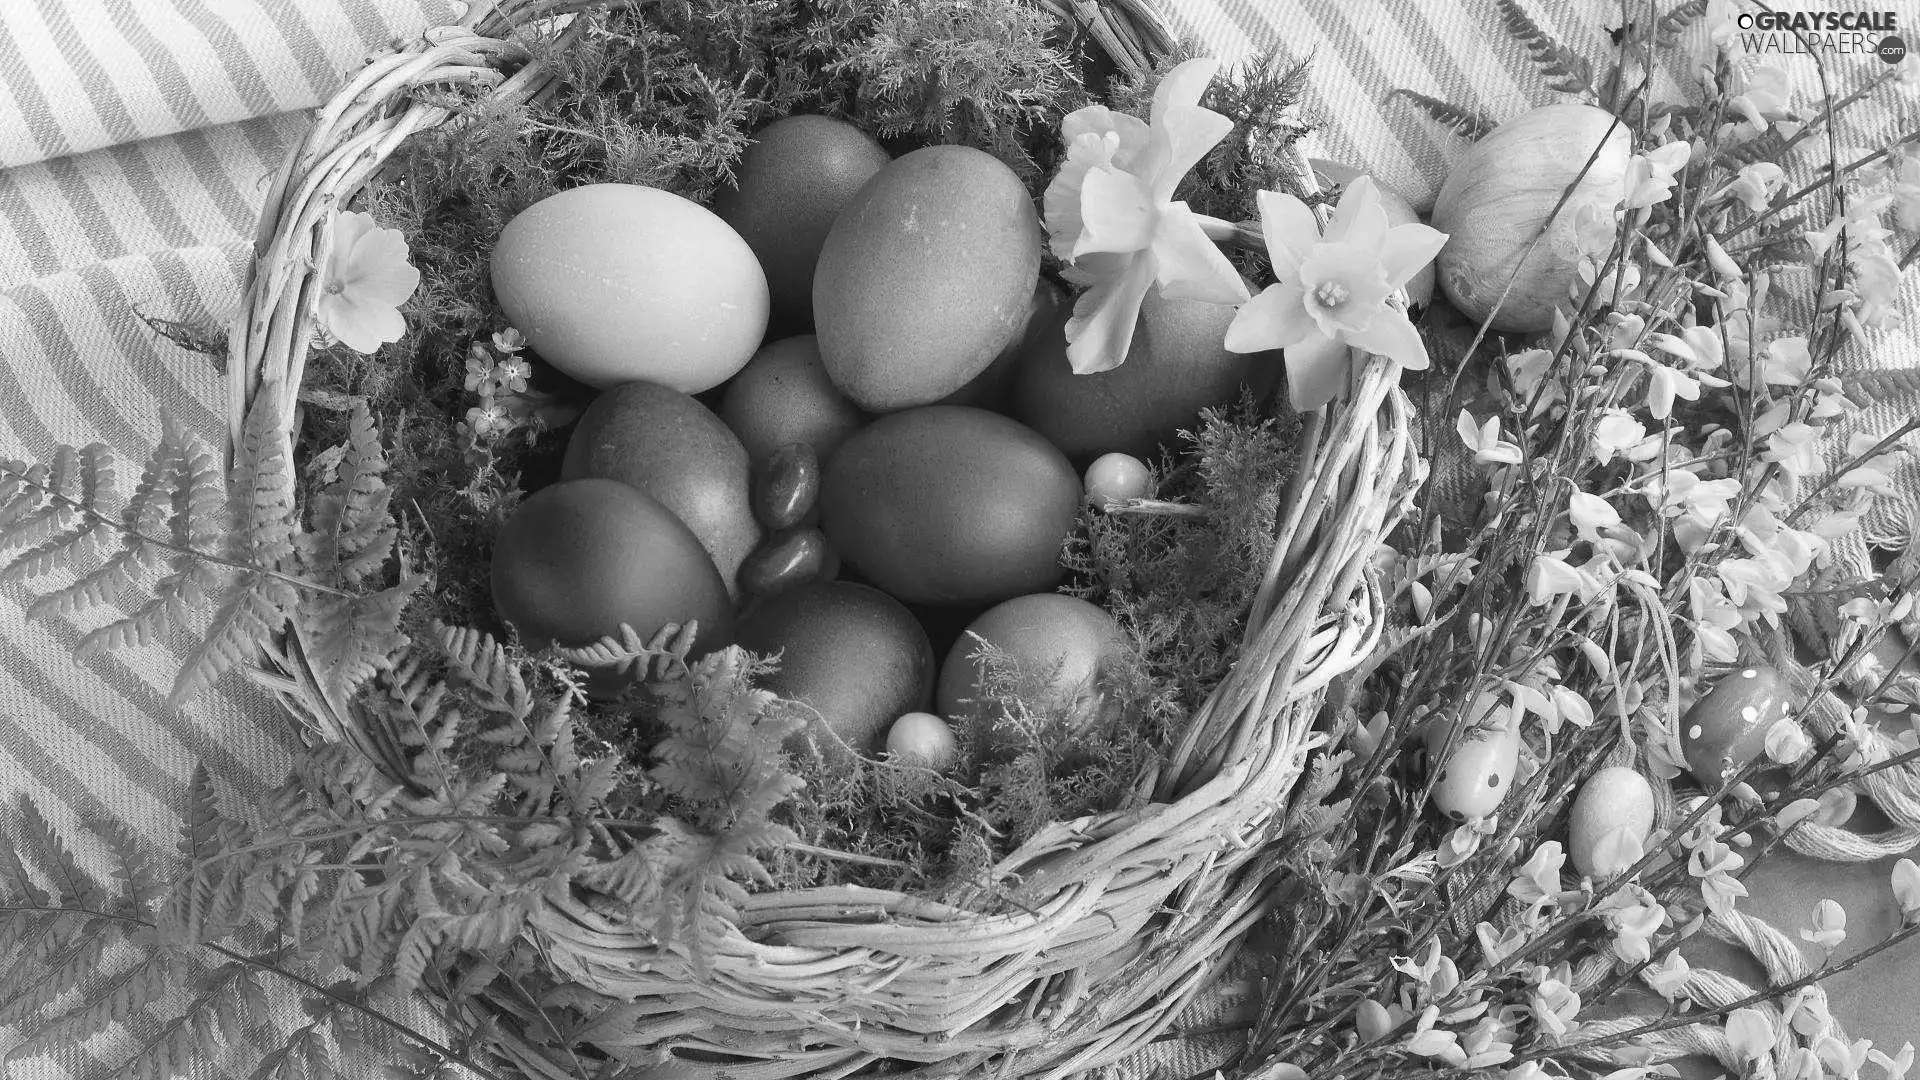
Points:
1112	217
367	278
1332	291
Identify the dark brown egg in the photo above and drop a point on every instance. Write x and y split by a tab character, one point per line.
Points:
851	652
925	277
1177	366
784	396
670	446
949	505
582	557
793	182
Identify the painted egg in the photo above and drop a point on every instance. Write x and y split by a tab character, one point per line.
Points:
786	486
947	505
783	396
1727	729
1116	478
926	275
1479	770
1063	639
671	447
1177	365
1610	821
582	557
852	653
923	739
794	180
613	283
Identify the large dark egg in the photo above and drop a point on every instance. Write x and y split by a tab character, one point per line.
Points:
1177	365
783	396
676	450
950	505
582	557
851	652
925	277
793	181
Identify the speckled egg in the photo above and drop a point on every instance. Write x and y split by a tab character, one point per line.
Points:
614	283
1727	729
925	277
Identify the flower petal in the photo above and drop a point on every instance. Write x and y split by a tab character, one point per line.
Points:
1317	370
1275	319
1181	138
1116	213
1184	85
1290	231
360	325
1191	266
1360	220
1408	249
1101	329
1392	334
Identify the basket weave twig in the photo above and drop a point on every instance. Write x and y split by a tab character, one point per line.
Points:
1100	930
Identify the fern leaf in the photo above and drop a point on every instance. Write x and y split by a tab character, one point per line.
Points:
133	869
1668	28
478	660
200	906
262	483
175	598
1469	124
1566	70
353	530
66	971
350	639
118	1000
244	624
72	884
75	521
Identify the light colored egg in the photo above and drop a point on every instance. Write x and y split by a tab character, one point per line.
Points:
613	283
1045	635
1479	769
1610	822
923	739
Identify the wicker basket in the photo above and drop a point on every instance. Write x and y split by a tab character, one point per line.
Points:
1113	923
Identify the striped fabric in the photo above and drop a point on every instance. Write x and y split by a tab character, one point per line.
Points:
136	141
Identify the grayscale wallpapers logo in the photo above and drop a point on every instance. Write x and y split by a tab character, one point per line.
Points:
1872	33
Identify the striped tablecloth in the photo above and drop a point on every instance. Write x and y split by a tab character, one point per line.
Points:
136	141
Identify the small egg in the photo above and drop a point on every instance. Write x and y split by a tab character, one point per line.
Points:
783	396
1116	478
1727	729
1474	778
1610	820
612	283
787	486
923	739
786	559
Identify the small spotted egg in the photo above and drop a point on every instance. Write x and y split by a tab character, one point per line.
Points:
1727	729
1477	772
1610	822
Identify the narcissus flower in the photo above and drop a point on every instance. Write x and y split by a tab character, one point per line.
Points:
1331	292
367	278
1112	217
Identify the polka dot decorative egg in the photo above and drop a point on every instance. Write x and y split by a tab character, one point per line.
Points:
1727	729
613	283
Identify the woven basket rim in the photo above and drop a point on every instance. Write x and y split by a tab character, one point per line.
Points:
1122	902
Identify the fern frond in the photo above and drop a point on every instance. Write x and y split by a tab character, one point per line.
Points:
629	656
478	661
75	520
133	869
353	530
1469	124
1668	28
244	624
202	907
350	639
43	844
118	1000
1567	71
